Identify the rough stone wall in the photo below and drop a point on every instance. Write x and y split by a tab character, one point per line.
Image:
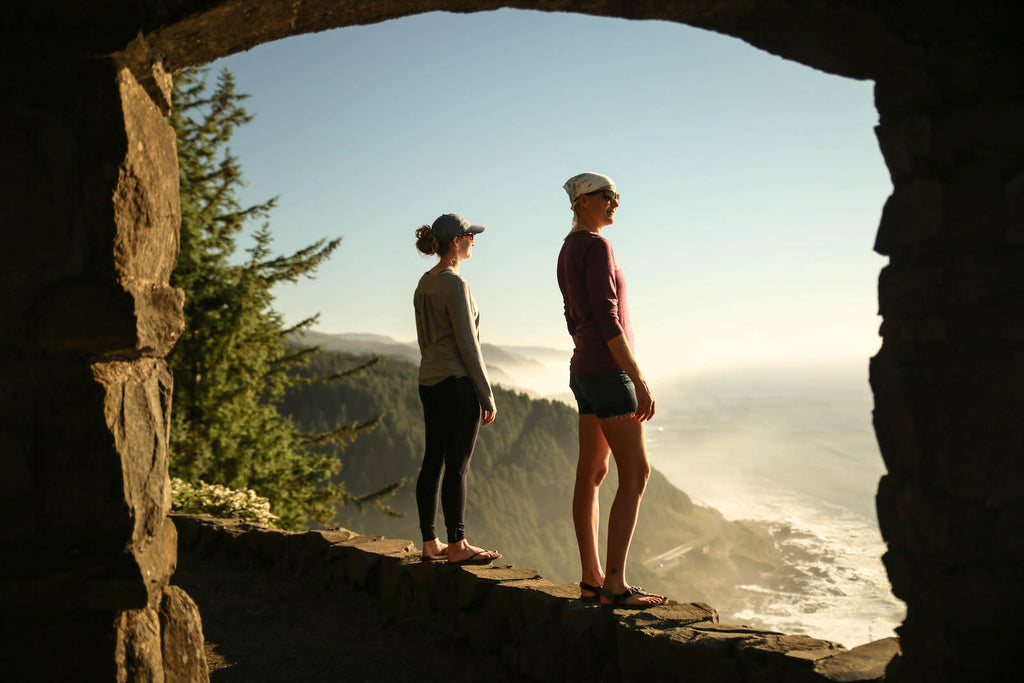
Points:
90	217
947	382
538	629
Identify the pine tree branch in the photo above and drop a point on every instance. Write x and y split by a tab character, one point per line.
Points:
340	435
298	357
376	498
302	325
340	376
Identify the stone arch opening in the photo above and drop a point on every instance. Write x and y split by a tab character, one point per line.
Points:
90	218
270	130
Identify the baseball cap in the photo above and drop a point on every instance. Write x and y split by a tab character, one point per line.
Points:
450	225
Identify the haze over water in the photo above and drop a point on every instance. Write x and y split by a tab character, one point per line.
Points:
793	447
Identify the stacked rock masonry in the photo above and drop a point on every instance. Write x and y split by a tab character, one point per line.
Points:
89	216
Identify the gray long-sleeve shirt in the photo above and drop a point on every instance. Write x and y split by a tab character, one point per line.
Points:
448	332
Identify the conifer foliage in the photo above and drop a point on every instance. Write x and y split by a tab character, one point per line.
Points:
231	365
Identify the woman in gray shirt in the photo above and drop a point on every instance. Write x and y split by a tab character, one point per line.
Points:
453	384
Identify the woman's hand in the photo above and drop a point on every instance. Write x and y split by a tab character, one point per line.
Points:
644	401
619	347
487	416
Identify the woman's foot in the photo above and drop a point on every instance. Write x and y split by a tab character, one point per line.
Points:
435	550
634	597
464	553
590	592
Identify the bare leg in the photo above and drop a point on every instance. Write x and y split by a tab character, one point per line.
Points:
590	472
625	436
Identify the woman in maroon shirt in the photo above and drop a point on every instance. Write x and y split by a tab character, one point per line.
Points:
613	397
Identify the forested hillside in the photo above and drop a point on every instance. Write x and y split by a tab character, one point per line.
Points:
521	486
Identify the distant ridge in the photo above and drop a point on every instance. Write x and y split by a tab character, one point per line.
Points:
360	343
538	371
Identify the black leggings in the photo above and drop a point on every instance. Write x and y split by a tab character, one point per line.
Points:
451	418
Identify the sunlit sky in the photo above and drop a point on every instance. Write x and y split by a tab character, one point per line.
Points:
751	186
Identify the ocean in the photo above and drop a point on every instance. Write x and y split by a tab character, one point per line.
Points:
792	448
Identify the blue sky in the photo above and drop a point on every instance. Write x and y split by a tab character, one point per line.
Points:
751	186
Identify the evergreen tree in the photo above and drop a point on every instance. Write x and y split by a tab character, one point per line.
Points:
231	364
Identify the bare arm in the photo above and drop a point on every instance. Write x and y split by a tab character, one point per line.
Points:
624	356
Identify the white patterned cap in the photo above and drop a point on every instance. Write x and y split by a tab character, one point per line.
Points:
584	183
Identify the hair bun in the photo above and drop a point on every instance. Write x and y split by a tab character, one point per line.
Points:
425	240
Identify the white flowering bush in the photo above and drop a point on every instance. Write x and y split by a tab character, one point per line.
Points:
220	501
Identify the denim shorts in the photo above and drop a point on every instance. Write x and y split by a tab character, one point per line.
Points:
605	394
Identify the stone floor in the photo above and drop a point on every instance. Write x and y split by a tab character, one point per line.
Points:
264	627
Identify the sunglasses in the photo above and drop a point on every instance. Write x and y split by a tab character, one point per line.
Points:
609	195
466	234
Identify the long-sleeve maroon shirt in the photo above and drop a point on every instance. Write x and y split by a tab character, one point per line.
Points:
594	292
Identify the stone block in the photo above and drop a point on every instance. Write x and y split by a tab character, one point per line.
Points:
863	664
783	657
394	582
61	170
359	565
905	143
379	545
147	207
671	614
473	582
137	407
423	573
188	527
893	418
50	645
181	638
159	318
304	553
986	125
95	535
424	579
539	607
18	495
642	642
139	654
129	319
206	536
913	214
270	546
149	71
1013	193
338	535
908	294
589	632
77	468
92	315
87	271
157	558
491	573
680	654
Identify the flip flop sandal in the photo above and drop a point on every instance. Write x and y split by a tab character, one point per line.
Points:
479	557
594	590
618	600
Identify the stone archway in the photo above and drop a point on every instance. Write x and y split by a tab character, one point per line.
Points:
90	217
